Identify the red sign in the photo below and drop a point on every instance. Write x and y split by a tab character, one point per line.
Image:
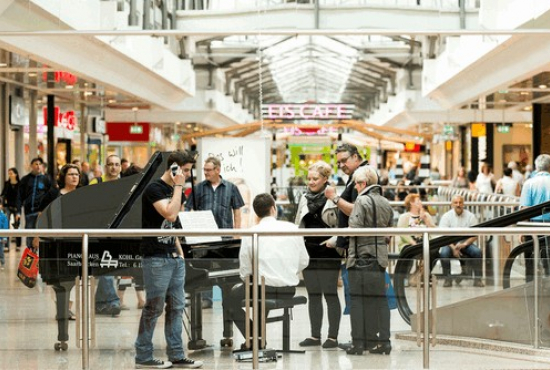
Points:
122	131
66	77
66	119
308	111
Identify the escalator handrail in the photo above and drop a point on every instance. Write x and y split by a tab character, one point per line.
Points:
408	253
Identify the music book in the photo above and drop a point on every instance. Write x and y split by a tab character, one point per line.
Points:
199	220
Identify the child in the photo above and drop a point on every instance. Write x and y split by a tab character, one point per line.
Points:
4	224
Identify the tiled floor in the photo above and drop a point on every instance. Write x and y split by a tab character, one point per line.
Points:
28	332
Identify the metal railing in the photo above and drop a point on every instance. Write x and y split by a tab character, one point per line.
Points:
257	235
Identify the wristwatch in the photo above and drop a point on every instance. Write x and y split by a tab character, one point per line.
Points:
335	199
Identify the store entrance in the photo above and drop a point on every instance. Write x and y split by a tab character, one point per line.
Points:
63	152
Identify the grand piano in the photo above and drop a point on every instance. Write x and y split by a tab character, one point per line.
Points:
117	204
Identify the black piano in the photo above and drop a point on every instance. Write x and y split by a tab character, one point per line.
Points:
117	204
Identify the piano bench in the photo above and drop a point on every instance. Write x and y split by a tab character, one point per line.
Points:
286	305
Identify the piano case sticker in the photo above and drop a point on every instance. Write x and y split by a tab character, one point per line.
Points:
28	268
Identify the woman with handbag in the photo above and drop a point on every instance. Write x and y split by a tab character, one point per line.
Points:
9	198
321	275
367	262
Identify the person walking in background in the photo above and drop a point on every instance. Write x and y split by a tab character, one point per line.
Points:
367	262
485	180
33	187
321	275
460	181
85	170
163	267
508	185
4	225
516	175
9	200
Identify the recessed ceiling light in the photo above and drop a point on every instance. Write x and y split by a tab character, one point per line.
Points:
524	93
32	74
527	107
88	93
542	86
3	64
135	109
189	125
111	101
69	86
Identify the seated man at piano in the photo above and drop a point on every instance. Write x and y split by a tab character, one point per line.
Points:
164	267
281	259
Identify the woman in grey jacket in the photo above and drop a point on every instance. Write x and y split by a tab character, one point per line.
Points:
321	275
367	262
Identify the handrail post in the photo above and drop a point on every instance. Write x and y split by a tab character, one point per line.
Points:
536	249
426	292
85	306
255	274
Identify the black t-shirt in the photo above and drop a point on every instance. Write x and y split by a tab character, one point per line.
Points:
151	219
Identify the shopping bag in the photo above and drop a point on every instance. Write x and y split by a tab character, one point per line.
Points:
28	268
390	293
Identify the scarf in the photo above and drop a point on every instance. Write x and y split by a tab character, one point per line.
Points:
315	201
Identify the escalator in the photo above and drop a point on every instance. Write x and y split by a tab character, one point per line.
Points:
411	253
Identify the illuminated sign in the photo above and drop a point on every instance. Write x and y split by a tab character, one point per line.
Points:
412	147
503	129
136	129
66	119
307	111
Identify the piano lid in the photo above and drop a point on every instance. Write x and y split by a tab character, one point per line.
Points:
113	204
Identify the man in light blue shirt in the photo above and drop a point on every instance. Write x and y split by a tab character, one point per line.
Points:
536	190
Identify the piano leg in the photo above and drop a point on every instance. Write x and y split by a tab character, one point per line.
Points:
62	291
227	340
196	341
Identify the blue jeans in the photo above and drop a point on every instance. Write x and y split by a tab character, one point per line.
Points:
30	223
163	281
471	251
105	294
3	243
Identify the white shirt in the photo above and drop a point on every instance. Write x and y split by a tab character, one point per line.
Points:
281	258
508	185
483	183
451	220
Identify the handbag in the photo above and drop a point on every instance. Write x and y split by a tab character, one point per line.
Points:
390	293
28	268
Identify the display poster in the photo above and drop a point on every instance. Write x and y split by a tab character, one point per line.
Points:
245	162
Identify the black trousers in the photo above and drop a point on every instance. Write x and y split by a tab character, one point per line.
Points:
370	313
321	279
236	309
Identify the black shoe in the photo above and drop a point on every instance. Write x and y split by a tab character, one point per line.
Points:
458	280
330	343
448	283
478	283
310	342
355	350
345	346
108	311
186	363
244	347
381	349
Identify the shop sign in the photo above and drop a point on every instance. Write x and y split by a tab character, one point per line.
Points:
478	130
66	120
412	147
136	129
308	111
59	76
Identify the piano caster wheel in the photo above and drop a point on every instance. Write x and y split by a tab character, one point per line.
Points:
62	346
226	342
196	344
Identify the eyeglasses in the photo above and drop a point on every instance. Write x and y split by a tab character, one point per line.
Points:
343	161
73	174
209	169
113	164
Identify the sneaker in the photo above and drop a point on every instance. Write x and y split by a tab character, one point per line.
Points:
108	311
448	283
310	342
330	343
186	363
154	364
